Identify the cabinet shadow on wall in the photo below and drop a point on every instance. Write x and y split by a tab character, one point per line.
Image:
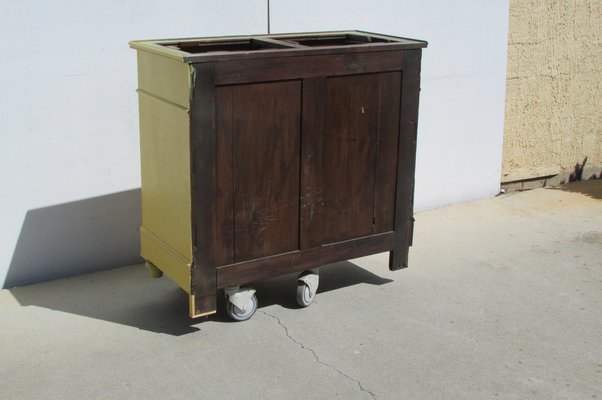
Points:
76	238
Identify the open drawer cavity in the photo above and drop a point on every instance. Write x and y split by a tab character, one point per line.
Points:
221	46
276	42
334	40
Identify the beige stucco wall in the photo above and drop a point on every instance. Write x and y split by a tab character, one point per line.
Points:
554	87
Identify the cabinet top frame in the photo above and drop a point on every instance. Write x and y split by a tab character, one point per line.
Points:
221	48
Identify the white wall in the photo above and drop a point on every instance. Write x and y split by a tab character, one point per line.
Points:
69	164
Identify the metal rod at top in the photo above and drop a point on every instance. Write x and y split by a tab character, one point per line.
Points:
269	16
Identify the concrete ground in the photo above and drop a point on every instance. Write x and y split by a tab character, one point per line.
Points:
503	299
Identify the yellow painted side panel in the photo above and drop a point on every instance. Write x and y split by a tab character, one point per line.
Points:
165	159
164	77
163	257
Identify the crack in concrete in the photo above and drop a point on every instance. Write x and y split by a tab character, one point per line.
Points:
304	347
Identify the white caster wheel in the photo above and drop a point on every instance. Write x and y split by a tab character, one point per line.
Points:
307	286
243	314
242	303
304	295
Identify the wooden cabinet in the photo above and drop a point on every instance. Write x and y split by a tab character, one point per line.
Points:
271	154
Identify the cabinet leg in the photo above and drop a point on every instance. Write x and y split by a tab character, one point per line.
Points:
153	270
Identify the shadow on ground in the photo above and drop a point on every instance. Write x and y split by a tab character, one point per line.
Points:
129	297
591	188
